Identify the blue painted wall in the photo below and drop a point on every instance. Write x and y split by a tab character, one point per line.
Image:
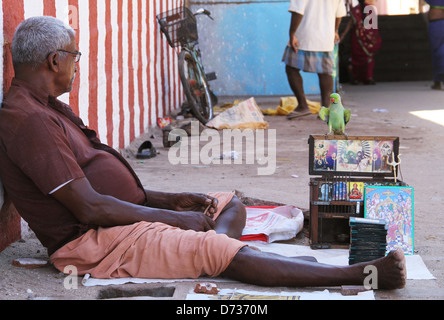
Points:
244	45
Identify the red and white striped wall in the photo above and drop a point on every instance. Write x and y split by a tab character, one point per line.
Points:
128	74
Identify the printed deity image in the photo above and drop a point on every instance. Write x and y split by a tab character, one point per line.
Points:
352	155
356	191
395	205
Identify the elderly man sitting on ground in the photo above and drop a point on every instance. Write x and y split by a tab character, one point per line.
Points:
88	207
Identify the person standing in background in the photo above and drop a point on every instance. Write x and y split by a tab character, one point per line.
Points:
436	35
365	41
313	33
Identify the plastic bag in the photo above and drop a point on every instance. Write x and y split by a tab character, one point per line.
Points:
244	115
270	224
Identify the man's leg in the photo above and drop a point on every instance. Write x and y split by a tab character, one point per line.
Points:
297	86
259	268
232	219
326	86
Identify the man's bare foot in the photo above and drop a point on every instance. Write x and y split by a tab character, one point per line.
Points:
392	272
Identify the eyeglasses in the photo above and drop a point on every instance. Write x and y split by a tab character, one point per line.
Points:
77	54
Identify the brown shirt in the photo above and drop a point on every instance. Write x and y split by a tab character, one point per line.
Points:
41	149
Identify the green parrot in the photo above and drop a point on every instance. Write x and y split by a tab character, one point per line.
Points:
336	116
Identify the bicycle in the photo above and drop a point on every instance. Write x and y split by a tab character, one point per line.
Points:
180	29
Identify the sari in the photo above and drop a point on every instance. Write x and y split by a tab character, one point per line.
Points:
364	45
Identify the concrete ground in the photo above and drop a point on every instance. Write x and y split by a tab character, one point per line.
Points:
383	110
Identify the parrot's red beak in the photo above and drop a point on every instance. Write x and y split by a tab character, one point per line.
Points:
333	100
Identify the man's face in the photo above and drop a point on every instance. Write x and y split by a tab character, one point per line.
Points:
67	67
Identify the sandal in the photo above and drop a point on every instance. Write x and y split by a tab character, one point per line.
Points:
146	151
436	86
297	114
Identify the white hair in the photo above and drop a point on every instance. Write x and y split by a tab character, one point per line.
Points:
37	37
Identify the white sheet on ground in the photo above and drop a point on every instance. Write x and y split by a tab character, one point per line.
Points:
416	268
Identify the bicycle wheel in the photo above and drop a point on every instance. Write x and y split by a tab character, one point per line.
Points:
196	87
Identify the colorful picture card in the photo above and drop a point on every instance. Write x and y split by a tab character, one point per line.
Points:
395	205
354	155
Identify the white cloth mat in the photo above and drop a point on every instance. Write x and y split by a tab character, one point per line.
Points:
416	268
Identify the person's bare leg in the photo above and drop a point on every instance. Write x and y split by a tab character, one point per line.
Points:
326	85
232	219
259	268
297	86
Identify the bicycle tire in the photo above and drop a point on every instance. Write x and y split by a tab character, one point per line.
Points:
195	85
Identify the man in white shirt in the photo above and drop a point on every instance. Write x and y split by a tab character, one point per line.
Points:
313	33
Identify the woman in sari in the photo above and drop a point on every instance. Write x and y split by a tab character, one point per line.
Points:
365	42
436	35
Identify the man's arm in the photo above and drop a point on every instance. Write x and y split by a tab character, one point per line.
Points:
92	208
296	19
337	24
184	201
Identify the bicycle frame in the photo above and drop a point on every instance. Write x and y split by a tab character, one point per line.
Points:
195	53
195	83
194	80
192	47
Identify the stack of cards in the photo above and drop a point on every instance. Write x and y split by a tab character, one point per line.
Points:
368	239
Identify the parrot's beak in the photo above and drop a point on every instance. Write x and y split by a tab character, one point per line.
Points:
333	100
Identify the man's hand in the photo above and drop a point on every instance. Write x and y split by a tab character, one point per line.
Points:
296	19
197	221
195	202
294	43
337	38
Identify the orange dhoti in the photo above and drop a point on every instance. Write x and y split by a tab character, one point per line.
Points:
149	250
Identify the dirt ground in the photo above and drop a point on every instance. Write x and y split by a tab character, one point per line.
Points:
383	110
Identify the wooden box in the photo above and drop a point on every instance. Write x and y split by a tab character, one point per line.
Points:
344	166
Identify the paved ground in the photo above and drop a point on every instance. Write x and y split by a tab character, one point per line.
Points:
383	110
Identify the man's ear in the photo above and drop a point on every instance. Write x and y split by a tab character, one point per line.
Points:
53	61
